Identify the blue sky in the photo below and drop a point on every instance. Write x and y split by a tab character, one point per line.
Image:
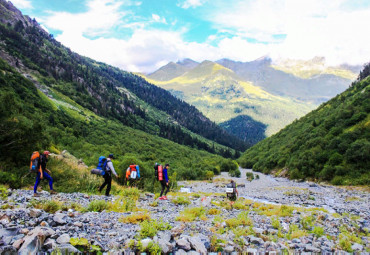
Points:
142	35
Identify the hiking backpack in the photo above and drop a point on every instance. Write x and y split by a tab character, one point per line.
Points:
35	162
133	174
231	190
156	171
102	166
160	173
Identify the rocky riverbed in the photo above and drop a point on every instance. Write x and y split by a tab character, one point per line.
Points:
271	215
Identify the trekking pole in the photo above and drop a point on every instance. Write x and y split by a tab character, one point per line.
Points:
24	176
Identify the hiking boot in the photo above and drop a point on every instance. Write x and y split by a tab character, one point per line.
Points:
36	195
53	192
165	198
161	198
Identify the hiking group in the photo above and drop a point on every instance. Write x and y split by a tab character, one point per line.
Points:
105	168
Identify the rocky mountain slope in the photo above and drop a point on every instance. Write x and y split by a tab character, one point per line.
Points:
221	95
330	143
271	215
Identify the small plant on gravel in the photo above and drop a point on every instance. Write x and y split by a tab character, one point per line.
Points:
133	193
122	204
295	232
318	231
250	176
181	200
307	222
217	244
154	203
275	223
154	248
195	195
214	211
192	214
149	228
97	206
241	220
135	218
50	206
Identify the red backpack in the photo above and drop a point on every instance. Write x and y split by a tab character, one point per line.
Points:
35	160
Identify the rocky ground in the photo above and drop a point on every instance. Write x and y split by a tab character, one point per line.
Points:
271	215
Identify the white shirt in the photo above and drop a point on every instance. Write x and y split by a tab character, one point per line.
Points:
110	167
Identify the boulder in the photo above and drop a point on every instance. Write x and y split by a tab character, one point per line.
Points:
197	244
165	235
35	240
68	249
60	218
166	247
183	243
35	213
63	239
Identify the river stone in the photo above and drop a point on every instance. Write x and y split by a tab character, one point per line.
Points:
145	243
357	247
68	249
35	239
60	218
197	245
50	244
35	213
63	239
183	243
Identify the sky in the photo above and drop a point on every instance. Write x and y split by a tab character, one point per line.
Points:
143	35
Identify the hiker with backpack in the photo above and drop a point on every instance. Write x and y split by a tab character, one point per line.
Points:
132	174
163	178
38	163
232	192
107	167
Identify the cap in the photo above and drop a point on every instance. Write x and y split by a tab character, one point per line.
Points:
110	156
46	152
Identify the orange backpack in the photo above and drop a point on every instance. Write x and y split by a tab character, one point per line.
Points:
35	159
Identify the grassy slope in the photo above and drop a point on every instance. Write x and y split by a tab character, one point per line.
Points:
221	95
37	122
330	143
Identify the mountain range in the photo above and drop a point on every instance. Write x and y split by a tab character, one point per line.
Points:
270	93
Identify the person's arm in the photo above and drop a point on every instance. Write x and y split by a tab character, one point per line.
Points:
166	175
41	174
110	165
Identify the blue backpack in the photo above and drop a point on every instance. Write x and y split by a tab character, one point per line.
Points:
102	165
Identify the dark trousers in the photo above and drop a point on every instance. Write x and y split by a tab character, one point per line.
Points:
164	185
38	180
108	182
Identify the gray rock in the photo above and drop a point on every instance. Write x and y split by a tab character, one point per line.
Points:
8	250
35	240
66	249
35	213
18	243
311	248
63	239
50	244
255	240
229	248
193	253
252	250
181	252
113	245
206	202
258	231
197	245
5	232
166	247
183	243
357	247
145	242
165	235
60	218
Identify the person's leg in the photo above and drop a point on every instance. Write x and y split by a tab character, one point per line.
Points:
105	182
168	189
36	183
163	187
109	180
48	177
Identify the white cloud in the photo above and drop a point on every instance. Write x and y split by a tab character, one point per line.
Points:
312	28
192	3
158	19
22	4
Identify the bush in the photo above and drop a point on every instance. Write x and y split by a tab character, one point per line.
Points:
149	228
235	173
97	206
3	192
192	214
180	200
318	231
135	218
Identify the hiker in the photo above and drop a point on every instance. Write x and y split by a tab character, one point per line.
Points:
42	173
164	182
231	191
108	175
132	174
128	173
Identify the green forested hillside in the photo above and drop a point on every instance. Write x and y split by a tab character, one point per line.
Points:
97	86
30	120
330	143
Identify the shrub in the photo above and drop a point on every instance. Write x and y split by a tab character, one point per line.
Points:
275	222
318	231
97	206
3	192
132	193
50	206
191	214
149	228
250	176
180	200
122	204
214	211
135	218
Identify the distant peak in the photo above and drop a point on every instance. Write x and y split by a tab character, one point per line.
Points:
187	62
